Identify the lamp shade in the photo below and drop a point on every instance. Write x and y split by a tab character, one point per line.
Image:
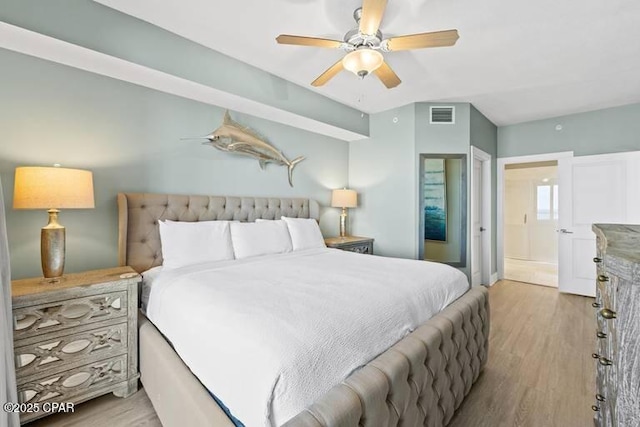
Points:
362	61
52	188
344	198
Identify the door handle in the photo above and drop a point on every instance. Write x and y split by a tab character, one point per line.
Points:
483	229
525	218
565	231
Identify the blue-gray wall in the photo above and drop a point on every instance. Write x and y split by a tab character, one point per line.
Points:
129	136
442	138
94	26
610	130
438	138
384	170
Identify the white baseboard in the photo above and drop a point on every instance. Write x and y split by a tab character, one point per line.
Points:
494	278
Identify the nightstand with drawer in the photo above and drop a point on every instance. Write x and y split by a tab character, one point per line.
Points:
362	245
77	338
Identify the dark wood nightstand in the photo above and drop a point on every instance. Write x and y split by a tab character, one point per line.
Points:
75	339
361	245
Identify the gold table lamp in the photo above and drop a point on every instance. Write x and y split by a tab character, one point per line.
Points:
52	188
344	199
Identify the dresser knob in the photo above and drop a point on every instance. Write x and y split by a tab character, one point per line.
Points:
595	305
602	278
600	398
603	360
594	408
601	334
597	260
608	314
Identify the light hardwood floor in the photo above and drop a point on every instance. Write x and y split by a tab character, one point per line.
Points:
540	372
540	273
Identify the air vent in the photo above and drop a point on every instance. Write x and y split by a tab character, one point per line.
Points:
442	115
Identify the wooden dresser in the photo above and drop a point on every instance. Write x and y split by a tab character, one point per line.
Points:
76	339
361	245
617	399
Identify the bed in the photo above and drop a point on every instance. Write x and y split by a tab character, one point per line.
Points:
420	380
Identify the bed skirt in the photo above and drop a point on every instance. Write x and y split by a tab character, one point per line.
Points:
420	381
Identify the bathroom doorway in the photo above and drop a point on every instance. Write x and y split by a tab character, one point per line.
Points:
531	222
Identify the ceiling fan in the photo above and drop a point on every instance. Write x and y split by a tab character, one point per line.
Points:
365	43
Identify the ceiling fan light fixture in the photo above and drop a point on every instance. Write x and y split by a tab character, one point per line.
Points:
362	61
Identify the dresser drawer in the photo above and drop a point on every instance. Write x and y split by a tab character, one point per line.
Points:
361	248
56	352
56	316
361	245
74	384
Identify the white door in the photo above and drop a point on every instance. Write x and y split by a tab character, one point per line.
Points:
593	189
476	227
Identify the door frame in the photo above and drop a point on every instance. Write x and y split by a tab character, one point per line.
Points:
485	161
502	162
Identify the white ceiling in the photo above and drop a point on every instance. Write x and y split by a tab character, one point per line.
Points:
515	60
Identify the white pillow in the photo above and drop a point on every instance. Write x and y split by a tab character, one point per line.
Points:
260	238
186	243
305	233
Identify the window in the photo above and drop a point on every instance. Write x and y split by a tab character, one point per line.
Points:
555	201
546	202
543	202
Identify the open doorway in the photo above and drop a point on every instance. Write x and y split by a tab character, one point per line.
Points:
531	222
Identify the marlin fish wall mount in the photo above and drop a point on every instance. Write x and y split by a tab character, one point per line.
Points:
234	138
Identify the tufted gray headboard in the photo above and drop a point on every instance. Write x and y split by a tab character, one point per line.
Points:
138	215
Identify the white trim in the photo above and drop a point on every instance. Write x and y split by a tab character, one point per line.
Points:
502	162
485	160
494	279
48	48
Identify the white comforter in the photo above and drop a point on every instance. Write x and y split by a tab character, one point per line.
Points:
270	335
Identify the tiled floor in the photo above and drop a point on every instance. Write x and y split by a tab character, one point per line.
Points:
539	273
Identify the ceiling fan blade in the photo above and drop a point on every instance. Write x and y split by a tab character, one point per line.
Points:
419	41
308	41
388	77
372	11
329	74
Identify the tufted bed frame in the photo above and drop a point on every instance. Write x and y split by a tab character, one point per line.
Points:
419	381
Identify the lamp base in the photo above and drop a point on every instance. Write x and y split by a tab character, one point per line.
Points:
52	247
343	223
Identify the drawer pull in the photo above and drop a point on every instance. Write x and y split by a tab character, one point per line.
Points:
600	398
596	305
594	408
602	278
597	260
608	314
601	334
603	360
